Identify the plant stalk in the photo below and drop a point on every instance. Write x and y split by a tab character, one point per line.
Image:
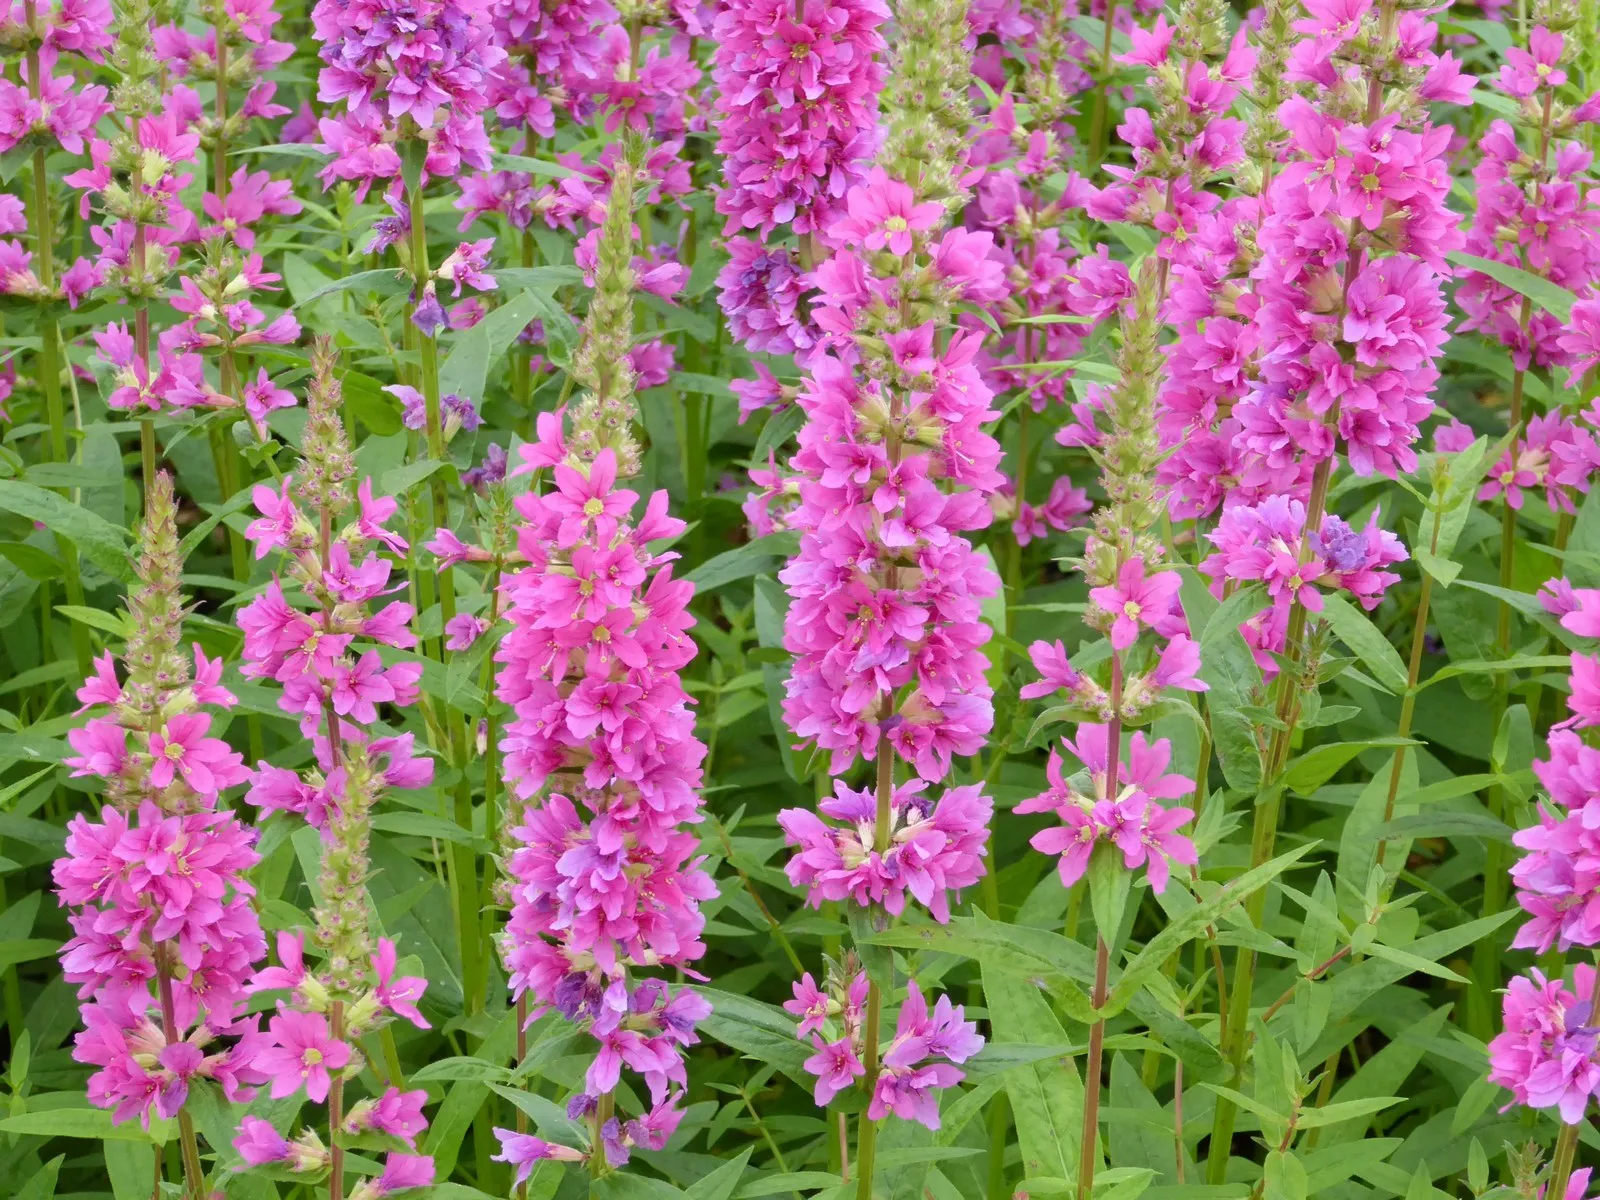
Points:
1091	1081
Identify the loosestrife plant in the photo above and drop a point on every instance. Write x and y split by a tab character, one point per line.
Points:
848	598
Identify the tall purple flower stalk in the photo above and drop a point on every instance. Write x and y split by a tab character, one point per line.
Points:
164	934
320	644
605	876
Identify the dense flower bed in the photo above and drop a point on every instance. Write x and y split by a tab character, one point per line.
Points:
837	598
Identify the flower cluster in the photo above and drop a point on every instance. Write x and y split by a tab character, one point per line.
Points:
933	847
1536	211
1547	1054
429	72
919	1061
1266	543
605	877
886	589
797	101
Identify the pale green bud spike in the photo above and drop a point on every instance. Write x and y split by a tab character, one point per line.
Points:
343	927
156	608
925	101
326	464
1130	451
604	418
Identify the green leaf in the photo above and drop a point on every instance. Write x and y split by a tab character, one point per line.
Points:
1447	825
116	624
385	279
720	1183
1551	297
21	950
101	542
1158	949
1358	632
1384	1073
42	1184
1345	1110
1412	962
752	558
1309	771
34	562
92	1123
287	149
530	166
779	428
398	481
1443	570
1228	666
461	1068
626	1185
466	370
418	824
762	1031
192	540
1046	1098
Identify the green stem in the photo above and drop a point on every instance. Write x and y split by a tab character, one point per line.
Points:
1408	703
429	378
336	1115
1091	1083
1561	1162
867	1129
42	218
1264	833
597	1152
999	1138
194	1175
1102	94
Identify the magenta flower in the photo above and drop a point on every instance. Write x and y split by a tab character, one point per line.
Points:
933	847
302	1054
1136	600
810	1004
401	1172
524	1152
208	765
395	1113
259	1144
1546	1055
918	1063
883	214
1539	66
1055	672
399	996
836	1067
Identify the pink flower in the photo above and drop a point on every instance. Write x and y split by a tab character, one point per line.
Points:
1538	67
259	1144
463	630
1055	672
208	765
302	1053
276	525
399	996
401	1172
836	1067
932	848
883	213
1136	600
524	1151
395	1113
810	1004
1546	1054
